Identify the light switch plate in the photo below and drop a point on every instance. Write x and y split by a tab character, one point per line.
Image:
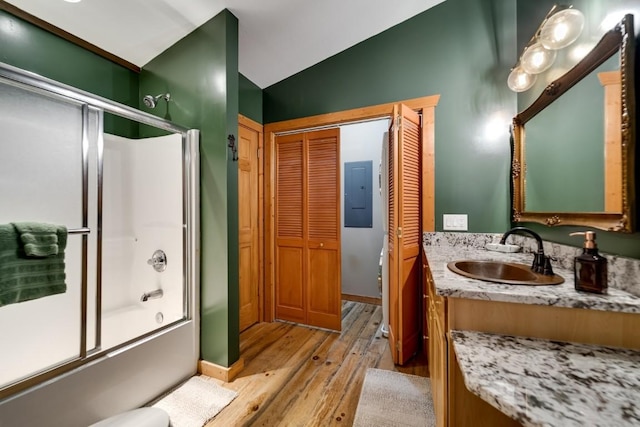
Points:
457	222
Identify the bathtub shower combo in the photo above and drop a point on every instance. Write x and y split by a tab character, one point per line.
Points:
108	197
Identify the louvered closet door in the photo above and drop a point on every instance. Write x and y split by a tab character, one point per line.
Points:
323	230
392	235
289	229
405	234
308	288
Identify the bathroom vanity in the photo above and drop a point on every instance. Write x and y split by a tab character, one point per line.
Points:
476	341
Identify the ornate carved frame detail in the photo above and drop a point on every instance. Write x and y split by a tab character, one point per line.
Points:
622	38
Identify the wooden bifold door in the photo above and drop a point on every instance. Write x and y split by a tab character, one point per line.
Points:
307	228
405	232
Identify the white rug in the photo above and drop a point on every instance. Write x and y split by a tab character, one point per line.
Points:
394	399
195	402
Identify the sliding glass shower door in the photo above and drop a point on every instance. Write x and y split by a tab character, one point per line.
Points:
107	197
41	180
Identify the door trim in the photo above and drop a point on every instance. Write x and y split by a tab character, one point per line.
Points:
425	105
257	127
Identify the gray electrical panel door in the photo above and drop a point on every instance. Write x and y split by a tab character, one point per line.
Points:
357	194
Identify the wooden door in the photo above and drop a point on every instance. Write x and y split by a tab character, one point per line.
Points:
307	229
248	241
405	234
289	230
323	230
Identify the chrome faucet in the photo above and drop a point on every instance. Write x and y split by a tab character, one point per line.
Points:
541	263
151	295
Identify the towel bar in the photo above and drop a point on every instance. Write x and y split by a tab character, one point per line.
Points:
83	230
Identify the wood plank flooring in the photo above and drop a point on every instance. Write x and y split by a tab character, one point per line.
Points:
300	376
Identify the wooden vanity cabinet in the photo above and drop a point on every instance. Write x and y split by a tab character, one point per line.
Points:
454	404
436	345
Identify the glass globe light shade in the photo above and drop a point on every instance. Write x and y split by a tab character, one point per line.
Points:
561	29
519	80
536	59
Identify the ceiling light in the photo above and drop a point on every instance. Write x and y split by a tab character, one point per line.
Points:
73	1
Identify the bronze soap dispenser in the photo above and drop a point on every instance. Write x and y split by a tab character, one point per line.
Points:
590	268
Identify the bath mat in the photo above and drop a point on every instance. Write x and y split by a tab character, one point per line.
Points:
394	399
195	402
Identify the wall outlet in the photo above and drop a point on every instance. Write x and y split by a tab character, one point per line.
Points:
454	222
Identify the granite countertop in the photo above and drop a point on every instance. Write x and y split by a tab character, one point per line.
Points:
450	284
549	383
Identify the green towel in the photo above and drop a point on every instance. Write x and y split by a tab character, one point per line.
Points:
23	278
39	239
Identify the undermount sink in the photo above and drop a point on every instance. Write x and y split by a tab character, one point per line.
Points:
502	272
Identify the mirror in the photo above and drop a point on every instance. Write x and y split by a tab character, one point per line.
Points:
578	168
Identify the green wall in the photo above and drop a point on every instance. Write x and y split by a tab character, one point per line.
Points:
250	99
529	15
26	46
201	73
460	49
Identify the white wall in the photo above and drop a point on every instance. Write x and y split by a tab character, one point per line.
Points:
361	246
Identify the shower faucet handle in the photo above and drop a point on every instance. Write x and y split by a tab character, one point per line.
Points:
158	261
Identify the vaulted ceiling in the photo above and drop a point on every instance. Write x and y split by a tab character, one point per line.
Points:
277	38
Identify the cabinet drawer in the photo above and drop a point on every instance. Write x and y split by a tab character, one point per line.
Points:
437	302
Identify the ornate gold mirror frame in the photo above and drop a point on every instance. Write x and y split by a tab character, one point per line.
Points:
619	39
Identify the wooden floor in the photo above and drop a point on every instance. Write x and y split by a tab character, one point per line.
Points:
299	376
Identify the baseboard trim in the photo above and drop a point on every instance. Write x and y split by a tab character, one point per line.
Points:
221	373
360	298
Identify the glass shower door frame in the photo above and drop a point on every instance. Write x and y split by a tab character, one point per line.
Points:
95	106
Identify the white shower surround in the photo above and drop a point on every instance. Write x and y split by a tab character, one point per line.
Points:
142	212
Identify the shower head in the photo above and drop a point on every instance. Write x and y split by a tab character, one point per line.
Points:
151	101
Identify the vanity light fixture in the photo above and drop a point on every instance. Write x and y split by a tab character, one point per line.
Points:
561	27
536	58
519	80
73	1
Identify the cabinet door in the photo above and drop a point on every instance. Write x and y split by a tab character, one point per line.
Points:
425	307
439	377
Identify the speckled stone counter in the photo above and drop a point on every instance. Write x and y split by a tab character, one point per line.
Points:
547	383
624	273
450	284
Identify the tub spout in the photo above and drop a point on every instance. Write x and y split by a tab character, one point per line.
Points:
151	295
